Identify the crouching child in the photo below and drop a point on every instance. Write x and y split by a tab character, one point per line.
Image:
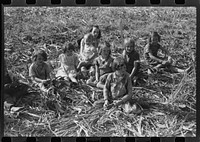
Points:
39	70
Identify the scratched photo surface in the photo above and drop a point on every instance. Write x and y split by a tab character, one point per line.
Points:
100	71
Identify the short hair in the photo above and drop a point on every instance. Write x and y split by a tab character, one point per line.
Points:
117	62
41	53
68	46
96	26
129	40
153	34
105	45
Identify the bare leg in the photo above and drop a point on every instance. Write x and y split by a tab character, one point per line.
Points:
72	77
176	70
100	85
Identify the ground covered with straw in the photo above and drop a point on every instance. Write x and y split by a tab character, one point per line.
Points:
167	101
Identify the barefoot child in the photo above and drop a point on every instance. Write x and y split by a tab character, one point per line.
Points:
39	71
118	86
69	62
151	55
131	58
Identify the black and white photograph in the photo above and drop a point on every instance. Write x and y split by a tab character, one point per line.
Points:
99	71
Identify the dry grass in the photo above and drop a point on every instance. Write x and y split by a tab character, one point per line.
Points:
168	101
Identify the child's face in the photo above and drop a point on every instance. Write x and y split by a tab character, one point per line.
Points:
84	71
39	59
69	52
95	32
121	68
129	46
105	52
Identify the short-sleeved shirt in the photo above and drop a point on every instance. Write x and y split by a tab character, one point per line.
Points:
39	72
130	59
116	87
105	66
68	64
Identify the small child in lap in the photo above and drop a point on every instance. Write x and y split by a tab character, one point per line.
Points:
39	71
103	65
69	62
88	51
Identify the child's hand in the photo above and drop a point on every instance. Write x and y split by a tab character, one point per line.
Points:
116	102
105	104
164	62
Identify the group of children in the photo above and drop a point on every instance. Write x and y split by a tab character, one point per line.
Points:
97	66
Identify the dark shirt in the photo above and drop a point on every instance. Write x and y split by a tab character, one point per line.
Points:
130	59
153	49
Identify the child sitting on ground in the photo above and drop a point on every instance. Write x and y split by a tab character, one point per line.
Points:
88	51
118	86
151	55
103	66
39	70
131	58
69	62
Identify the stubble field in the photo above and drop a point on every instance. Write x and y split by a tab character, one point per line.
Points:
168	101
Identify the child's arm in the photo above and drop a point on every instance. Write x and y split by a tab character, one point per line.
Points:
135	68
97	72
165	50
48	71
92	56
37	80
76	62
106	91
82	47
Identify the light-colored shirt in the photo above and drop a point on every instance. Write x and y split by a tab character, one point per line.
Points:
116	87
89	51
68	64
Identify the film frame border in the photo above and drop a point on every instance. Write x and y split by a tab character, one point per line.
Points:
119	3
